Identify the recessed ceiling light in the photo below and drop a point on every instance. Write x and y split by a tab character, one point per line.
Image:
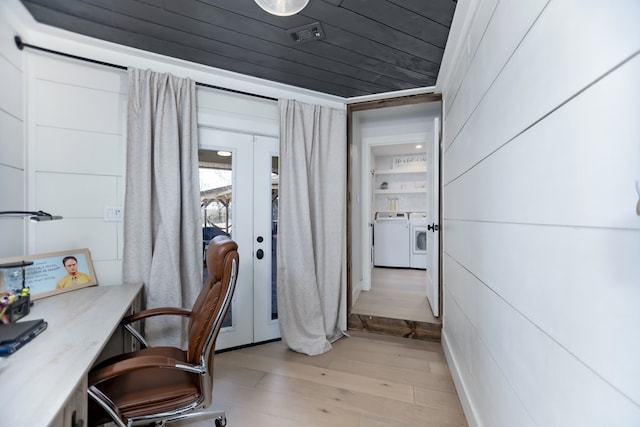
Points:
224	153
418	146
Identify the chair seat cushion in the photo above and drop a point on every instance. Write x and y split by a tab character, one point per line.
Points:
150	390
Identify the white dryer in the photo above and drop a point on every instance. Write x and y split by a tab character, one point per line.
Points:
391	240
418	252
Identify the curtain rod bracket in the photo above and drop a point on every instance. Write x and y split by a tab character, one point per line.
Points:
19	43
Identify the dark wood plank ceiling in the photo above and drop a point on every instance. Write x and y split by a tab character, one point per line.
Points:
369	46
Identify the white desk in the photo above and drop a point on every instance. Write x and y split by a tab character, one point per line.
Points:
49	374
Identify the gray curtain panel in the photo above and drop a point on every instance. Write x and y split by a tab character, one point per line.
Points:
312	212
162	230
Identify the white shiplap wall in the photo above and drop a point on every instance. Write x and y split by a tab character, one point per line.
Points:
541	237
76	140
70	158
76	151
12	177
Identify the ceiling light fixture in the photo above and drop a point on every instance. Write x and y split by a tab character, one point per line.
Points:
224	153
282	7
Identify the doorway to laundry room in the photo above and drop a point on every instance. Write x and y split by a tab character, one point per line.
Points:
399	177
394	212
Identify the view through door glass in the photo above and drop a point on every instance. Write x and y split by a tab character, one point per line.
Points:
216	202
216	190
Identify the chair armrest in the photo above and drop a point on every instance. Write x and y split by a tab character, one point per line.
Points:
159	311
144	314
135	363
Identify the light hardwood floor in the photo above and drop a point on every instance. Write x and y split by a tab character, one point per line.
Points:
366	380
397	294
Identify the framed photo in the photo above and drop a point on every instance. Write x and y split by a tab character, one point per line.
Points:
48	274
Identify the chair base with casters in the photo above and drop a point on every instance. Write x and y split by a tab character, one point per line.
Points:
155	386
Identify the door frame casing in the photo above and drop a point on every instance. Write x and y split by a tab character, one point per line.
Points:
385	103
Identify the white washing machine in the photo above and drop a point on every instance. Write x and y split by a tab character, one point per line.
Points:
391	240
418	252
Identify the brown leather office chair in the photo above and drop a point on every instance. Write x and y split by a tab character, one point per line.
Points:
156	385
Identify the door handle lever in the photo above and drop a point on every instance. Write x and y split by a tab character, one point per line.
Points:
432	227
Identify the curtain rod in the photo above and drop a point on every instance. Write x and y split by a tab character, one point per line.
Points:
21	45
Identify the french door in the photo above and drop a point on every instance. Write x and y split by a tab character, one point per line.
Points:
239	196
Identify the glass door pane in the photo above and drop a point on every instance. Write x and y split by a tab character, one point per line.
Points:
216	189
226	165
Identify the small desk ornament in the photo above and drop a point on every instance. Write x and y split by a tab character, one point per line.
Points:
15	301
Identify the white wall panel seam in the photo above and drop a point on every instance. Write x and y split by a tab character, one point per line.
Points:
567	67
8	61
542	224
543	117
55	172
58	82
534	269
535	325
12	167
8	113
498	74
101	132
487	348
452	96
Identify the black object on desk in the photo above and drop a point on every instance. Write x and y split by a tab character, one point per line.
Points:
13	336
19	306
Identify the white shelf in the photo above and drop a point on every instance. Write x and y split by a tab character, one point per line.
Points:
401	191
398	171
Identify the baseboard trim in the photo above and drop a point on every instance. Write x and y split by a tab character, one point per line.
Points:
356	291
465	401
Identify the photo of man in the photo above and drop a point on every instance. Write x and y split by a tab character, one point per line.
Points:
73	276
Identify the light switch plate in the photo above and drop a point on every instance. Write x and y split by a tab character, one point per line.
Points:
113	213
